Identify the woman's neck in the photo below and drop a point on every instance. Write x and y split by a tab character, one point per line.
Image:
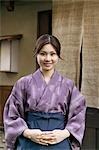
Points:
47	74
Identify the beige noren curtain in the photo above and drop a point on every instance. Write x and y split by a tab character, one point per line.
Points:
73	22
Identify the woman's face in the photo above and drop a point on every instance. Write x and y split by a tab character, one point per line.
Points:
47	58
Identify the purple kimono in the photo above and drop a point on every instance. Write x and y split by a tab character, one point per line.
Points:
31	93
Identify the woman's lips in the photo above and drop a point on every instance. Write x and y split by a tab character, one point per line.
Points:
47	64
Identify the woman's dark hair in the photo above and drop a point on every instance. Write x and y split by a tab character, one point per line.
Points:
48	39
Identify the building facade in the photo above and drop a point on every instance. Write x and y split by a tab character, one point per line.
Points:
76	24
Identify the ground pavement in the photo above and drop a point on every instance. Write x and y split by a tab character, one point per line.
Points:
2	141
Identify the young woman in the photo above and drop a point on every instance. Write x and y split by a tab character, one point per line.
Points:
45	111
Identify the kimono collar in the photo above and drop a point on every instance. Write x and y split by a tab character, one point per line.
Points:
39	79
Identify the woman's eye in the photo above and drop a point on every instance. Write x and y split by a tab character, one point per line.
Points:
53	54
42	54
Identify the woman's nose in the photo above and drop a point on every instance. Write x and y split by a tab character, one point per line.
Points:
48	57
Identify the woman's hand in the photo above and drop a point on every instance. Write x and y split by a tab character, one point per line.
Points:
34	135
55	136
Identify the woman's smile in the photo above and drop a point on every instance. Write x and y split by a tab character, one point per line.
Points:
48	64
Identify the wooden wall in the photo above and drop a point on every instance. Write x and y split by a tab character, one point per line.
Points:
4	93
91	138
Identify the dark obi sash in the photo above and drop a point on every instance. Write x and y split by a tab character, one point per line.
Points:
45	122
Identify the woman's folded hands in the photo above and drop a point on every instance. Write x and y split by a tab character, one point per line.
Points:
46	137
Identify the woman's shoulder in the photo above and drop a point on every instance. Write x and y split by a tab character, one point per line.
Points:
66	79
24	80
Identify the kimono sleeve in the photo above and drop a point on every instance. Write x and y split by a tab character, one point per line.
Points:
76	117
13	115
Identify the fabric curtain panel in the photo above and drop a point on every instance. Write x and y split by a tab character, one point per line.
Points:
90	53
67	26
76	24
